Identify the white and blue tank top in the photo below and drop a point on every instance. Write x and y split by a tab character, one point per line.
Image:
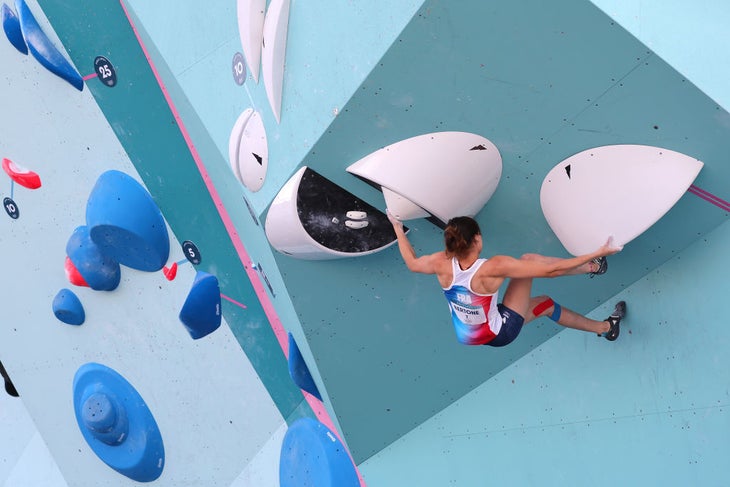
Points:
475	316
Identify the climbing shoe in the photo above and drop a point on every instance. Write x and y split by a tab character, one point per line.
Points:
615	321
601	267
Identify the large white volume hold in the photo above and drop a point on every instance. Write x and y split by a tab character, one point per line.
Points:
234	140
253	153
251	31
273	52
614	191
312	218
442	174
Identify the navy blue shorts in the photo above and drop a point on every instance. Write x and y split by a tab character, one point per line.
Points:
511	326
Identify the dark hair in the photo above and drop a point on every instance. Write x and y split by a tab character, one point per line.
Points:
459	235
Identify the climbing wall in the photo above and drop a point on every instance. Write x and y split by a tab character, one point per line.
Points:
541	83
204	394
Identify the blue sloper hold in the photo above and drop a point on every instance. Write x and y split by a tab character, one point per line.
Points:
312	456
43	49
201	312
68	308
299	371
126	224
100	272
117	424
11	26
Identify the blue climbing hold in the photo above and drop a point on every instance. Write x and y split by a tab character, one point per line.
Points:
43	49
105	418
67	308
299	371
100	272
11	26
201	312
116	423
312	456
126	224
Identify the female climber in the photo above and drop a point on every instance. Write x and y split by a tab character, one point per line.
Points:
471	285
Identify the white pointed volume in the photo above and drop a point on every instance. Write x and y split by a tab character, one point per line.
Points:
251	31
616	191
418	176
253	153
234	140
273	52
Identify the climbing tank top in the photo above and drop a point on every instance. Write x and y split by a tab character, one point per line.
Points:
475	316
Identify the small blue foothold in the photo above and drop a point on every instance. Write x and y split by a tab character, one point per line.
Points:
116	423
126	224
11	26
299	371
67	308
201	312
312	456
43	49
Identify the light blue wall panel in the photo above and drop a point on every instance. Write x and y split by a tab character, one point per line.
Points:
213	409
35	466
331	48
147	129
648	409
691	36
24	456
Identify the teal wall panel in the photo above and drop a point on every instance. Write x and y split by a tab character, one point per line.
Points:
648	409
542	82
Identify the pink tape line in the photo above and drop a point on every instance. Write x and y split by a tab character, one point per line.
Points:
709	197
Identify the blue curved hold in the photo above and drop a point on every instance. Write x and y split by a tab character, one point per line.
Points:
201	312
126	224
105	417
68	308
43	49
11	26
312	456
299	371
116	423
101	272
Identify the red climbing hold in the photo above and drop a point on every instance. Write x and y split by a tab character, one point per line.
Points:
22	176
170	272
73	275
